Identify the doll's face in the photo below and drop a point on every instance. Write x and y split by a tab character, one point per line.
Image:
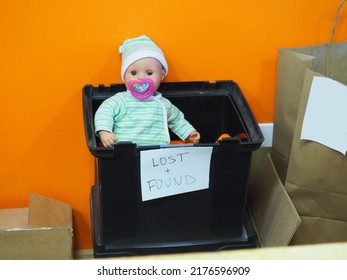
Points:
143	69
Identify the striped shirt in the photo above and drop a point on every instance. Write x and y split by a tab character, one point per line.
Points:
144	122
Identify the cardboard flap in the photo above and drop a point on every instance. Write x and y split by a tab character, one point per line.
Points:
273	212
47	212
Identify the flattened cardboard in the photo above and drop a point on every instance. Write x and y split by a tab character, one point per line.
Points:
274	215
41	232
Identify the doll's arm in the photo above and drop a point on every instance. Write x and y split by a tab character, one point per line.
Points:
180	126
107	138
105	117
194	137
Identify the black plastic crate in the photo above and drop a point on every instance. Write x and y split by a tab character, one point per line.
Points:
209	219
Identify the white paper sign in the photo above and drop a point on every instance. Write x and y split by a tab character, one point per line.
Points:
326	114
173	171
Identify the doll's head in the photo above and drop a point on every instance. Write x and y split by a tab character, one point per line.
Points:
143	66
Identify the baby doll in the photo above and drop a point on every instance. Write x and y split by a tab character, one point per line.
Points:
141	114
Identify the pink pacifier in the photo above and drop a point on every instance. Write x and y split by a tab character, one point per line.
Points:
142	89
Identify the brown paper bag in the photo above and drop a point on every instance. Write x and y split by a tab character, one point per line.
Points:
316	182
328	59
315	176
291	67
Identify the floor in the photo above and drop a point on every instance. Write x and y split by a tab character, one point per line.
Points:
332	251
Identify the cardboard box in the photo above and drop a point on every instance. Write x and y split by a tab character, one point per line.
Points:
273	213
41	232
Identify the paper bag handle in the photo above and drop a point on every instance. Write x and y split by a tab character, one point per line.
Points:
335	22
328	49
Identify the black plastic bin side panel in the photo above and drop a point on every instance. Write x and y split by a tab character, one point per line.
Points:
119	184
216	212
96	219
229	174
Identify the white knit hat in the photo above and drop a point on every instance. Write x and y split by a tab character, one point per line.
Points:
140	47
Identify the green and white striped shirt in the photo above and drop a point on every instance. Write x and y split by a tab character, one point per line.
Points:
144	122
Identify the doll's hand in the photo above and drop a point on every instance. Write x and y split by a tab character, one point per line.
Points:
107	138
194	137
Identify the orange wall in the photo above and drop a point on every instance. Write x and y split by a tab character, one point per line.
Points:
50	49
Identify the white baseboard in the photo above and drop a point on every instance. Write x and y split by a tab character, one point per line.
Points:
267	129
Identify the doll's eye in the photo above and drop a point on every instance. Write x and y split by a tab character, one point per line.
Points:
133	73
149	73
